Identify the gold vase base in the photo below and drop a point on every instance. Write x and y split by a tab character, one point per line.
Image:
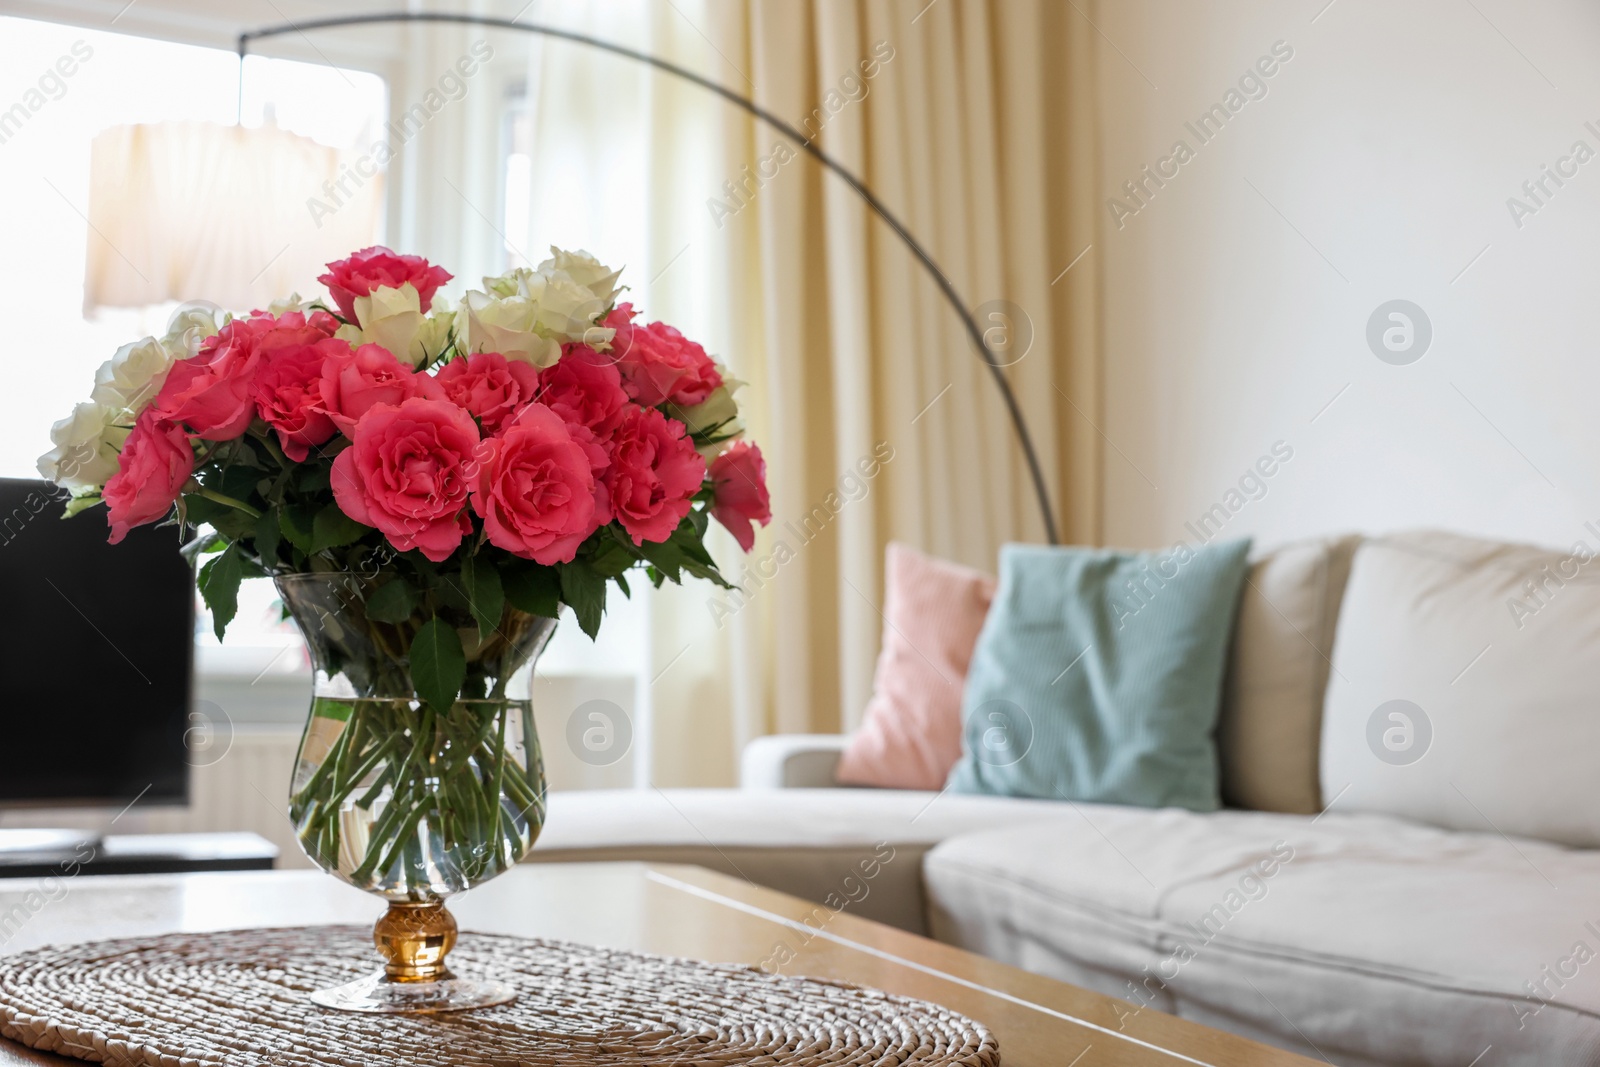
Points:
380	995
414	937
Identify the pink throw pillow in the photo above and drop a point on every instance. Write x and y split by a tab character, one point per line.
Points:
911	735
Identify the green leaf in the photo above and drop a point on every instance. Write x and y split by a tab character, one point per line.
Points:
534	589
667	557
693	548
393	602
241	451
239	482
312	479
449	594
332	528
267	534
295	522
622	584
438	665
484	594
682	552
585	591
612	558
198	509
234	525
219	585
692	554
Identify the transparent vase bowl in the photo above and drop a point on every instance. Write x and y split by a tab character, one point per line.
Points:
407	801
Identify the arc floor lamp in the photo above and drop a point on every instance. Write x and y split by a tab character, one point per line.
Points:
985	351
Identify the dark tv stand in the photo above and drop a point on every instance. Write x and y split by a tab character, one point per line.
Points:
74	853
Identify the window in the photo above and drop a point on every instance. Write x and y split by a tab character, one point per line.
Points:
49	119
561	200
259	672
44	174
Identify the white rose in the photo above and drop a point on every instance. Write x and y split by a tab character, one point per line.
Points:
511	283
434	336
284	305
526	315
717	414
87	442
567	303
504	324
392	318
129	380
190	325
567	311
585	270
719	411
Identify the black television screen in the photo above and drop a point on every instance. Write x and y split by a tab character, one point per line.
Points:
96	655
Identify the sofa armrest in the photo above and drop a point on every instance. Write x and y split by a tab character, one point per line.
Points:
791	761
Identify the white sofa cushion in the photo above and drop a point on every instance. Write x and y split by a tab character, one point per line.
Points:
818	844
1500	729
791	761
1376	941
1269	729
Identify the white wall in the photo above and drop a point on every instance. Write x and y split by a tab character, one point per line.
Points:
1381	160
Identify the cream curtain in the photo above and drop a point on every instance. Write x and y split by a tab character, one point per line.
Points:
972	120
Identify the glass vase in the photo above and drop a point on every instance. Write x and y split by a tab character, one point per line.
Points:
406	800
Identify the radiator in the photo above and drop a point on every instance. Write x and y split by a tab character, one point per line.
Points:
239	777
243	786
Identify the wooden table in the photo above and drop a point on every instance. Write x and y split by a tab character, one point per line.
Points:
682	911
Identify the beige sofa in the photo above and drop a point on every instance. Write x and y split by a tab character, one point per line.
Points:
1406	871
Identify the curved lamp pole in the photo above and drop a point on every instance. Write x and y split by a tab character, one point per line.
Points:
974	332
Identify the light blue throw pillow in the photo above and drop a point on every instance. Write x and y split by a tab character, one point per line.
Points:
1098	674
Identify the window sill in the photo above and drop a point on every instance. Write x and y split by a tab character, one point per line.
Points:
255	685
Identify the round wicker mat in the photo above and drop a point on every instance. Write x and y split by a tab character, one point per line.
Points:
241	998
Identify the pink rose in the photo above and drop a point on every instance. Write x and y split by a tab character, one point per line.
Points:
288	394
376	267
585	388
654	473
407	473
536	489
155	465
658	363
212	393
285	325
739	487
490	386
356	381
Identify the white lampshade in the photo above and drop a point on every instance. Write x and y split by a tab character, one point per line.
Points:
197	211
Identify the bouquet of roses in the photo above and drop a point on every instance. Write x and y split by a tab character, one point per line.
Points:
464	470
535	437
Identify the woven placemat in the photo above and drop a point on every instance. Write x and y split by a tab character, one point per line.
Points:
241	998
